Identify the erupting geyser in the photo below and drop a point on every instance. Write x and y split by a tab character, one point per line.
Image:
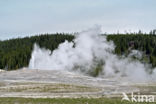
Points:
89	53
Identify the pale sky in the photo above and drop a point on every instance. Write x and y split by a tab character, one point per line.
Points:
19	18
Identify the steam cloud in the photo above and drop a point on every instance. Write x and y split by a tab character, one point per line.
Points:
90	53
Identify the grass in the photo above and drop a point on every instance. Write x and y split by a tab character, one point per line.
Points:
147	89
44	87
64	101
2	84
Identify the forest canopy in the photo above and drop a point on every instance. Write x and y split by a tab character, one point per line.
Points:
16	53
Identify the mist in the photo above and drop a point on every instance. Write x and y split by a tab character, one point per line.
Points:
91	54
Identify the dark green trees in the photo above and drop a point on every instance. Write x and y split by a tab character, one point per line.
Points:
16	53
143	42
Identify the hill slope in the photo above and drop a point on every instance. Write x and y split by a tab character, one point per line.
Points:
16	53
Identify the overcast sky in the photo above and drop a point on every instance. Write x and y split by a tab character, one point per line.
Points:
20	18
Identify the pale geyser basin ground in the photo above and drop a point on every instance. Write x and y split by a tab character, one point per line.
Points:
61	83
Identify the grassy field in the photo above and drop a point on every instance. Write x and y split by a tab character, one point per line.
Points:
64	101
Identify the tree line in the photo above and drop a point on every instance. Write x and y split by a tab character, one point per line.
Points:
143	42
16	53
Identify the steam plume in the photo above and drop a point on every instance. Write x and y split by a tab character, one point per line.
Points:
89	53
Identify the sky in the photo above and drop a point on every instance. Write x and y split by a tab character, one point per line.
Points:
20	18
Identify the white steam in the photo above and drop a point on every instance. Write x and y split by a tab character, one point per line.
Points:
88	51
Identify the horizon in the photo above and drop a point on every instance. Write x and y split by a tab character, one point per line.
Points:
73	33
28	18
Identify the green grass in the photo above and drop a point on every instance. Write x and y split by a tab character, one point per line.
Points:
64	101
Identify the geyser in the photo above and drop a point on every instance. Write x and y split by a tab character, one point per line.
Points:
89	53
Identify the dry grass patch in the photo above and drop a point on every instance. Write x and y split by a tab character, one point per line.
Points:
46	87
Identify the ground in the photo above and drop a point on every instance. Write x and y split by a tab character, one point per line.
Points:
42	85
65	101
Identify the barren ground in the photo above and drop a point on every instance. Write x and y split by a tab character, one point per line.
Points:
54	83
